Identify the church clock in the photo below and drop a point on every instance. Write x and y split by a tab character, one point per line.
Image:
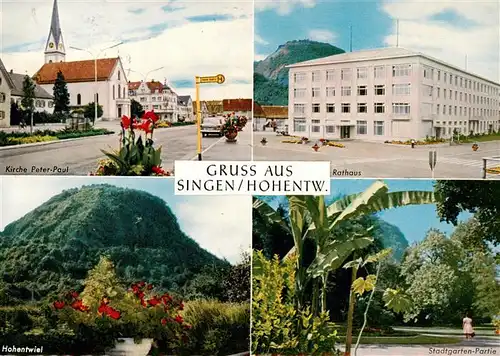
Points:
51	45
61	47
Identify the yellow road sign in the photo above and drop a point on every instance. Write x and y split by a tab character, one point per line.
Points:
219	79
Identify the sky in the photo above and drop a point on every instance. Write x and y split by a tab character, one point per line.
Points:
200	217
185	37
455	31
413	221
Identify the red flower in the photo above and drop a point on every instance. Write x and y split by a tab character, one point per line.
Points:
140	294
74	294
143	303
166	298
113	314
59	304
149	287
158	170
150	115
102	308
163	321
179	319
125	122
181	306
187	326
78	305
141	284
154	301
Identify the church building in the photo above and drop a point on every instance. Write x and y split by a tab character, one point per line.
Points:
103	78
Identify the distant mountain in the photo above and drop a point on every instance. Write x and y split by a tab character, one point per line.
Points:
271	76
391	237
52	248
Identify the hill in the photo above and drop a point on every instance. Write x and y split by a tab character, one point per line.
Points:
51	248
391	236
271	76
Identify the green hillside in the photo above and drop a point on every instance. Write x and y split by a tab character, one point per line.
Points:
52	248
271	76
391	236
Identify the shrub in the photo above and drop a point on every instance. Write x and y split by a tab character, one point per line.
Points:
30	139
183	123
277	325
217	328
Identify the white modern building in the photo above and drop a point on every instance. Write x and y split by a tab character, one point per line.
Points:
388	94
157	97
110	88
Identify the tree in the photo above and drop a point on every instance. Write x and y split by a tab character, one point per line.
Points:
136	108
89	111
16	113
482	198
61	95
28	100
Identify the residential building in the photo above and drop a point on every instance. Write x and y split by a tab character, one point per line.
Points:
241	107
110	88
387	94
157	97
43	100
185	104
265	114
6	86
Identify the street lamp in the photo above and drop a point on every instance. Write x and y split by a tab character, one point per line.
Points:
95	71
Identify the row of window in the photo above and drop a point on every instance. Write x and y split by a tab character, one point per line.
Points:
299	125
345	108
346	74
144	99
458	81
400	70
398	89
464	123
466	111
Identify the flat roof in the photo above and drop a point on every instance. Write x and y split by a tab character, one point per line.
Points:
379	54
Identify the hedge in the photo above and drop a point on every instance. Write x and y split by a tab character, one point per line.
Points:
16	138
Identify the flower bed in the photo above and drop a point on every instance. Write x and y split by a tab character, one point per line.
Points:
20	138
162	124
493	170
137	155
292	141
417	143
335	144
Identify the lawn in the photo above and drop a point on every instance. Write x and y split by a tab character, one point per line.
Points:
482	138
410	340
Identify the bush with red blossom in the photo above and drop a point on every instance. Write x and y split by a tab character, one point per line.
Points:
140	311
137	155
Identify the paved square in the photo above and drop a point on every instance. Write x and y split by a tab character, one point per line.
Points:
379	160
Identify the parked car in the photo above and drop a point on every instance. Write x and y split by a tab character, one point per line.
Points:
212	126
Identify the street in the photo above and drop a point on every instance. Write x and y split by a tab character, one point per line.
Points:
80	156
383	160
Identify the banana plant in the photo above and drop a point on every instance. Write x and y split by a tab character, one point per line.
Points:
310	217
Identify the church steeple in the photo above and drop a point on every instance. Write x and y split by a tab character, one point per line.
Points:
54	49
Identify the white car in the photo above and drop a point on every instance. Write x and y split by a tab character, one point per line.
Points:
212	126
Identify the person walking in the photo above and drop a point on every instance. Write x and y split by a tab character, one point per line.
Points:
467	327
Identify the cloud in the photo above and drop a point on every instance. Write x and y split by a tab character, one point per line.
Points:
260	57
218	39
221	224
322	35
449	39
259	40
283	7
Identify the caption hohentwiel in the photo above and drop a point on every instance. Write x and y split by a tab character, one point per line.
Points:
260	178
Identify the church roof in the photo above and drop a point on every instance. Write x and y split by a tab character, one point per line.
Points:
55	26
76	71
18	80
